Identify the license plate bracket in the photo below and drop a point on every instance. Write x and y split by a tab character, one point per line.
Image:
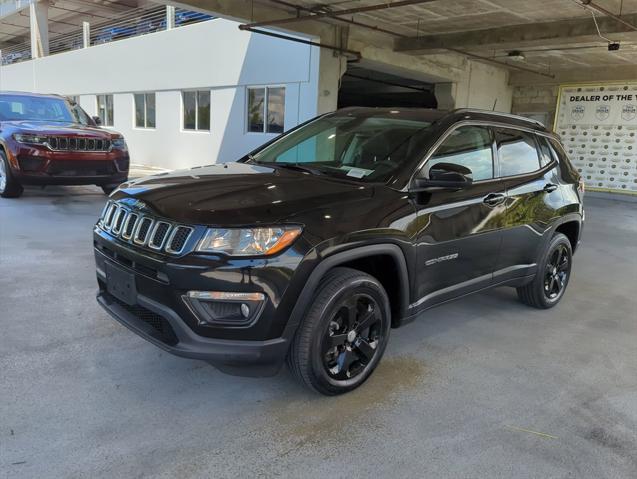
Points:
121	284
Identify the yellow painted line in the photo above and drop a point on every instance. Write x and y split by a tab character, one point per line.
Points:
541	434
610	190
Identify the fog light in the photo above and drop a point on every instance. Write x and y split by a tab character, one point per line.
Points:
224	308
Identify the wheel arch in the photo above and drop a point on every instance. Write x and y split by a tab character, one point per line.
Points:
13	162
367	259
571	227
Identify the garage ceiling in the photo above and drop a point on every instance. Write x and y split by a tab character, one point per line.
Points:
552	35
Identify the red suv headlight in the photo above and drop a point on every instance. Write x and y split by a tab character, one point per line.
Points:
30	139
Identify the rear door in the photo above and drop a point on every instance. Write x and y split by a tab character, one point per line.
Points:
458	236
533	198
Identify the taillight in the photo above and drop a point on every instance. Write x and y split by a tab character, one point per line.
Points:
581	187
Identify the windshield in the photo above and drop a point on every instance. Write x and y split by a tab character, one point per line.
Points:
35	108
365	148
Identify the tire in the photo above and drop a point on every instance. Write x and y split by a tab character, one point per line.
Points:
343	336
551	280
9	187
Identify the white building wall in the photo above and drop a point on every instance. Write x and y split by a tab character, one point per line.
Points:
213	55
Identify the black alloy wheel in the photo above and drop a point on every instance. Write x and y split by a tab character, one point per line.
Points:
343	335
352	337
556	272
553	274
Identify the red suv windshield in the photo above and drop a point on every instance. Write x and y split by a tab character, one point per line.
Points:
34	108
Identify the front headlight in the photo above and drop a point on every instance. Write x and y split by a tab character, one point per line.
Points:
248	241
30	139
119	144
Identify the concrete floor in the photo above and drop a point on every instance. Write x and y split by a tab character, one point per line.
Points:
484	387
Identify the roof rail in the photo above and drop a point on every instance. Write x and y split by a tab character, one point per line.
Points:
498	113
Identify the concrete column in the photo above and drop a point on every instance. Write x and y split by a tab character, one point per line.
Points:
331	69
86	34
170	17
39	23
481	86
446	95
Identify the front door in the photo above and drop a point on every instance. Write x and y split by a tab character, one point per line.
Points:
458	233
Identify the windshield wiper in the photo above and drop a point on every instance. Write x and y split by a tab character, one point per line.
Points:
294	166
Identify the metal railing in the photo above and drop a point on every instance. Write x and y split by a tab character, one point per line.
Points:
134	23
16	53
9	7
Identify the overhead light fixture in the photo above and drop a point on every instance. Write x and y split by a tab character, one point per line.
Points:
516	56
613	46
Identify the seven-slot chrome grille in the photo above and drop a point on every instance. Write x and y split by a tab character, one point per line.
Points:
64	143
143	230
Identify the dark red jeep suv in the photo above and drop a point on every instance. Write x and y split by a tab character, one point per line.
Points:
50	140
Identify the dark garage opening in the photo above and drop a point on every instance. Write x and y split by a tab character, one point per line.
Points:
366	87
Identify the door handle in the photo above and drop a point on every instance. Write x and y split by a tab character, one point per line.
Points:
493	199
550	187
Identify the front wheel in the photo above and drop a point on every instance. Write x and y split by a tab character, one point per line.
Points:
342	338
9	187
551	280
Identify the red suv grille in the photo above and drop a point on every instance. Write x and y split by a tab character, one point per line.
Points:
63	143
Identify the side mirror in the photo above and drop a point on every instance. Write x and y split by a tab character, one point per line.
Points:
443	176
97	120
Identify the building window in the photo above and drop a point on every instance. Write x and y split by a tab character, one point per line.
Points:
105	109
145	110
196	110
266	109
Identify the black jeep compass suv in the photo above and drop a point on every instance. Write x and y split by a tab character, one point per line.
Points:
312	247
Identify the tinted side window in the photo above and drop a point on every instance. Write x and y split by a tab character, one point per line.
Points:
468	146
569	172
517	152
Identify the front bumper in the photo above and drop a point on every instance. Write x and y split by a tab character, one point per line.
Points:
248	358
160	315
40	166
100	180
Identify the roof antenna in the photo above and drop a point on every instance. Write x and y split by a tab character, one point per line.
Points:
494	104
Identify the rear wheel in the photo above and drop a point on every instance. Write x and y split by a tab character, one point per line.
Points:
9	187
551	280
343	336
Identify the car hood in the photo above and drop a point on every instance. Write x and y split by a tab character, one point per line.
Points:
56	128
236	194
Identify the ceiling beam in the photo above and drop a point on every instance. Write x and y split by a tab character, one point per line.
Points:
606	73
505	64
519	36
